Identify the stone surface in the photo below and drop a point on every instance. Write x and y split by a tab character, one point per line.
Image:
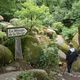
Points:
61	43
10	68
9	76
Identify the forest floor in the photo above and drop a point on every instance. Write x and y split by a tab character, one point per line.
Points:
11	72
13	75
72	76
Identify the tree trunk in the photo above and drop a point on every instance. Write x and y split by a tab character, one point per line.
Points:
18	48
79	35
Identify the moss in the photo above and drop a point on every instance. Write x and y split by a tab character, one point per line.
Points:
76	65
63	47
2	34
33	74
32	47
61	43
6	56
75	41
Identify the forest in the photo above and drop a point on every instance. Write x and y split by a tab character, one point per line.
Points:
51	25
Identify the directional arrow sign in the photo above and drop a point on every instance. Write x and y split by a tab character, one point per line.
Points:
17	31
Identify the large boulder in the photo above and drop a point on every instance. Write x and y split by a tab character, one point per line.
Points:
34	74
61	55
61	43
75	41
6	56
2	34
1	18
4	25
49	32
76	65
33	45
17	22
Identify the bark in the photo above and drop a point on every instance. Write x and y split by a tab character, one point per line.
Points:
79	35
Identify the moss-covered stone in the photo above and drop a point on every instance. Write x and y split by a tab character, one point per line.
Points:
76	65
34	74
32	46
61	43
75	41
6	56
2	34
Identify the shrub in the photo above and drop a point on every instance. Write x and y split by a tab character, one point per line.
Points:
40	54
48	58
58	27
10	43
32	47
68	33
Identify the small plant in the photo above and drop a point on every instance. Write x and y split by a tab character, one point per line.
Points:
26	76
48	58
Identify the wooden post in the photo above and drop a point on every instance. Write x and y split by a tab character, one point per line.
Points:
18	48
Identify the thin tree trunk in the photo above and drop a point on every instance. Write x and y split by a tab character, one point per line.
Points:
79	35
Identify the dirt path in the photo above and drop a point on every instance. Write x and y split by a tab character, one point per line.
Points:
12	76
9	76
74	76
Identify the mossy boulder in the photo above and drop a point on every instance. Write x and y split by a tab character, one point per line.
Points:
4	25
34	74
33	45
76	65
6	56
2	34
61	43
75	41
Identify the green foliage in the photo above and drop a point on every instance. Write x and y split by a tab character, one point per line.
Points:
2	34
57	26
34	15
40	54
2	37
76	12
68	33
10	43
58	8
31	49
48	58
7	8
26	76
6	56
34	74
59	13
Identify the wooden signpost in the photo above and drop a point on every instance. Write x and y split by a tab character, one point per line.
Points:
17	32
